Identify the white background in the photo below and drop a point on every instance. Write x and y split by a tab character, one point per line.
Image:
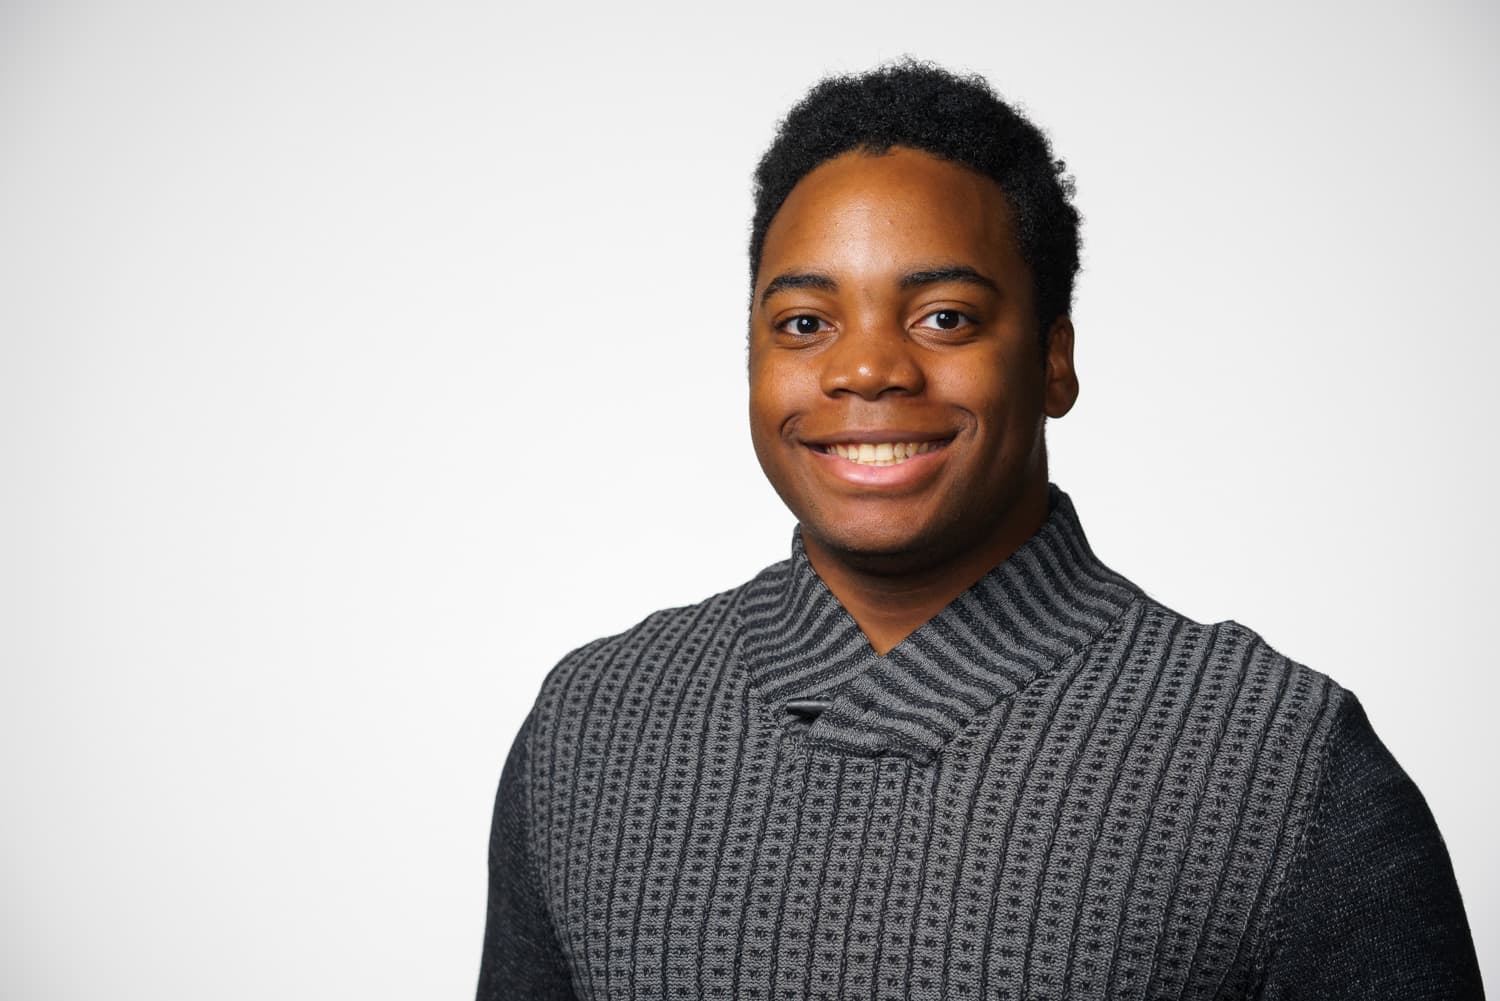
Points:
357	360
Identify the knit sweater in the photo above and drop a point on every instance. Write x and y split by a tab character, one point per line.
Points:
1055	788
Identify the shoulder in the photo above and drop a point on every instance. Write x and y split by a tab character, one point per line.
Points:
1371	907
1227	692
1359	888
1366	796
1231	655
606	700
667	642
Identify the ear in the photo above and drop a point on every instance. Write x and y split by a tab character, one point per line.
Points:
1062	379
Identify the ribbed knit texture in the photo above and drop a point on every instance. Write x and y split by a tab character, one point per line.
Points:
1056	788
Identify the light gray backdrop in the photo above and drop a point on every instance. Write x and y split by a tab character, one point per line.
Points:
359	359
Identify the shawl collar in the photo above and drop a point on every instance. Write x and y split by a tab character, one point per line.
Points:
1047	601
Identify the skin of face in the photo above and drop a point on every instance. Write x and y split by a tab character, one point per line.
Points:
892	305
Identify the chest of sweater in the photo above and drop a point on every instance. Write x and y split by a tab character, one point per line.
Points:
1114	828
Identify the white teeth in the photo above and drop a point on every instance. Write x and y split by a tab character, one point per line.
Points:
883	454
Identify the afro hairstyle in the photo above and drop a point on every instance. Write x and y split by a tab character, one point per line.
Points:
922	106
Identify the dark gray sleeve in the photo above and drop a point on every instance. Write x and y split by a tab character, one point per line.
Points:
1372	910
522	957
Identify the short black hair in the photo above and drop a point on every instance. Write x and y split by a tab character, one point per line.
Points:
924	107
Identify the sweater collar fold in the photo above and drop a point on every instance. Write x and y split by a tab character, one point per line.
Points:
1050	599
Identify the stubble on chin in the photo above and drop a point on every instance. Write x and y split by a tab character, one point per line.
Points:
884	550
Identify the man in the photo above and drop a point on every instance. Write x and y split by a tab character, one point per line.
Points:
943	751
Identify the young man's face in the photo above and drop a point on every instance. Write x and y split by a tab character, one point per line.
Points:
897	381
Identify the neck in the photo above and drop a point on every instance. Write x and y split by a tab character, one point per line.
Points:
889	600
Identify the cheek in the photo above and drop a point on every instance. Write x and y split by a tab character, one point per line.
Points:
990	387
768	414
1004	404
779	393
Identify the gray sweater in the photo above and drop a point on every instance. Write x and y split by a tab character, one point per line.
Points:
1056	788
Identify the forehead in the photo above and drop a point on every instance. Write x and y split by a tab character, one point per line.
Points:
862	211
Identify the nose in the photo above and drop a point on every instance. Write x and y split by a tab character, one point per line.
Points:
870	360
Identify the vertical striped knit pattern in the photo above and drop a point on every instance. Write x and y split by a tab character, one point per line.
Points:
1055	788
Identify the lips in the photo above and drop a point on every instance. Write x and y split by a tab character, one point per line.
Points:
883	460
883	453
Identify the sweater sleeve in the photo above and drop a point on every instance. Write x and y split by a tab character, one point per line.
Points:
522	957
1372	910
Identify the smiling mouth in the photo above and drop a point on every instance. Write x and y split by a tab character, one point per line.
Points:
885	453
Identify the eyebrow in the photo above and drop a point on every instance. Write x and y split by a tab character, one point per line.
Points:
912	279
955	273
798	279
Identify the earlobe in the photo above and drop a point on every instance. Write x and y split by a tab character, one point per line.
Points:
1062	378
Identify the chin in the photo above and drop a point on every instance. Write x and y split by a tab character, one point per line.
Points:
882	547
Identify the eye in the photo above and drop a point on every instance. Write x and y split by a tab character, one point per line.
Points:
945	319
802	326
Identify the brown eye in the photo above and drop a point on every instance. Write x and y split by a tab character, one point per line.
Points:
946	319
804	325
